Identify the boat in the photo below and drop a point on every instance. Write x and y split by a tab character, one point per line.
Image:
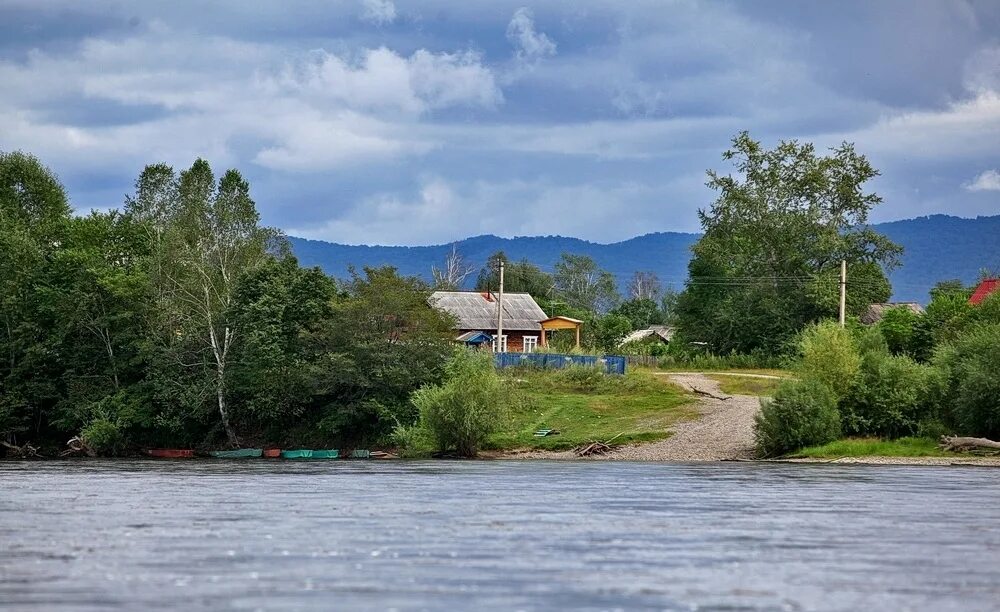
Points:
239	453
310	454
360	454
272	453
170	453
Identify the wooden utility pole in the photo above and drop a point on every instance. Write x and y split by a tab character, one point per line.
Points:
500	346
843	292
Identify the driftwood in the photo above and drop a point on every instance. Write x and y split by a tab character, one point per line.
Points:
711	395
957	443
24	451
596	448
76	446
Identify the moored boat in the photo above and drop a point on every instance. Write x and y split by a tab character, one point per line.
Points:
170	453
272	453
360	454
310	454
238	453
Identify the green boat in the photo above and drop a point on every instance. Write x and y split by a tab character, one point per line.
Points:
310	454
239	453
360	454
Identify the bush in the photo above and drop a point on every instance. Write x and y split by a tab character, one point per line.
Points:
104	436
473	402
829	355
888	398
802	413
970	381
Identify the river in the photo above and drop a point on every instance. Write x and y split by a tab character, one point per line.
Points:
203	535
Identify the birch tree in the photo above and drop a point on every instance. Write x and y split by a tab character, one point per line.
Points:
452	276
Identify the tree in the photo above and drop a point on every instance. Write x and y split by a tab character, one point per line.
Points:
452	276
773	241
645	286
519	277
610	330
641	313
34	219
206	236
582	284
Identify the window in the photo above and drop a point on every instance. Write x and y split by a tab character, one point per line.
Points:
530	344
503	344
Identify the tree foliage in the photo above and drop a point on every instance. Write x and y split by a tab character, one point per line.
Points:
773	241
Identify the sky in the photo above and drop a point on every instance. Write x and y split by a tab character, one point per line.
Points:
423	122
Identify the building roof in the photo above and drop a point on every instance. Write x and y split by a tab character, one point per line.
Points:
984	289
662	332
474	337
875	312
478	311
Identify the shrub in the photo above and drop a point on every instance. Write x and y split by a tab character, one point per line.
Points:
802	413
970	385
829	355
104	436
899	328
473	402
888	398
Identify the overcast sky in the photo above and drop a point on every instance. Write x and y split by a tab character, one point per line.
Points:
406	122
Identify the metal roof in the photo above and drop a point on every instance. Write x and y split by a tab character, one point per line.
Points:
478	311
983	291
663	332
874	313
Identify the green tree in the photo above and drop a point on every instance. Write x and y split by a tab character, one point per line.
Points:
610	330
773	241
582	284
641	313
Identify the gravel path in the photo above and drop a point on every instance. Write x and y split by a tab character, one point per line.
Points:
723	431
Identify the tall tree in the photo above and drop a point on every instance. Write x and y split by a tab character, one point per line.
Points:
645	286
582	284
451	276
209	235
773	241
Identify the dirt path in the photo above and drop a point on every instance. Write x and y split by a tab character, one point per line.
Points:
723	431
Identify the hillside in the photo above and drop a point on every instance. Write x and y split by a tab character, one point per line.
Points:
938	247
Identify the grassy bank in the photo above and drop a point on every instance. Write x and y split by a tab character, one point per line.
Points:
585	405
746	385
874	447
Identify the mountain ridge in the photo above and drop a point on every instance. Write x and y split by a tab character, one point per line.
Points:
936	247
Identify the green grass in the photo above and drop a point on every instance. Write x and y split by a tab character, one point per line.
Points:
746	385
587	405
873	447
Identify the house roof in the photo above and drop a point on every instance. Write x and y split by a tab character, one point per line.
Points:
478	311
474	337
875	312
984	289
663	332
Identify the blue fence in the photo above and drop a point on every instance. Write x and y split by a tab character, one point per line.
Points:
611	364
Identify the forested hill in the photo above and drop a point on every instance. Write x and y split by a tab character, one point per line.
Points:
938	247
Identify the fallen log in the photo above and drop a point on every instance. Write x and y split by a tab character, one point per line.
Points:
22	452
76	446
958	443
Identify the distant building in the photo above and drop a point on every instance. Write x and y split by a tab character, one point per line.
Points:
984	290
875	312
476	313
663	333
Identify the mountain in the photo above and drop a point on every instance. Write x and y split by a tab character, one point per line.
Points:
938	247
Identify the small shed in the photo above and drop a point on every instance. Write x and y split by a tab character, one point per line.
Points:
875	312
663	333
475	338
560	322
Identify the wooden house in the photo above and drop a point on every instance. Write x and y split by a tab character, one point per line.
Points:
477	312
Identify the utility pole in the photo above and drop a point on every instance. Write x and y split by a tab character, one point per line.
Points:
843	292
500	346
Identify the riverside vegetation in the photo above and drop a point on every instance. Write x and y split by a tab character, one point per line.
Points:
180	321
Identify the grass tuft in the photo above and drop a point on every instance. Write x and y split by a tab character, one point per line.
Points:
874	447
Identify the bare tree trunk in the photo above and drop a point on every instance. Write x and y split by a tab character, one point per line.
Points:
959	443
220	392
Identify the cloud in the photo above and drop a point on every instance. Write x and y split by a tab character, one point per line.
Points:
379	12
529	45
987	181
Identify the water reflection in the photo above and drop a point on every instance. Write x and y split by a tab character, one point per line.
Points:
496	535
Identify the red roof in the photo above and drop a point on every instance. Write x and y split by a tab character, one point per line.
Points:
985	288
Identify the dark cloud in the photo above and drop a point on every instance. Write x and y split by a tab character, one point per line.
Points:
593	118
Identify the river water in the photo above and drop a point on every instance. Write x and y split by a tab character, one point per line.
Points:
202	535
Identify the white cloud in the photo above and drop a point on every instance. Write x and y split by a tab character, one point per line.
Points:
379	12
529	45
987	181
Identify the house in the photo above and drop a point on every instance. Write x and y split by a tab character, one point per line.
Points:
875	312
984	290
476	312
663	333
